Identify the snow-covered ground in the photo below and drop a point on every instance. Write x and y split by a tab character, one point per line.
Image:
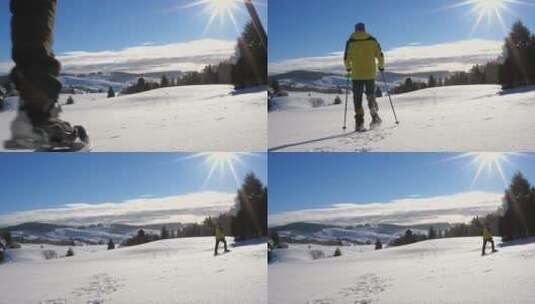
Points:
186	119
169	271
437	271
457	118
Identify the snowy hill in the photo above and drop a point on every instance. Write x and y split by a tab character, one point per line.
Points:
457	118
439	271
170	271
187	119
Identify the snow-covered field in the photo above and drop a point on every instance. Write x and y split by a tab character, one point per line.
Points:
437	271
169	271
457	118
186	119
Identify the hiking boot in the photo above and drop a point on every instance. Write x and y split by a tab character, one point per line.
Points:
376	121
359	119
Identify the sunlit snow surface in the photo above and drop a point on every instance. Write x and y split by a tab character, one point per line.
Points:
185	119
446	119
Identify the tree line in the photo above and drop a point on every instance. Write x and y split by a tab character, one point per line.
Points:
246	220
247	68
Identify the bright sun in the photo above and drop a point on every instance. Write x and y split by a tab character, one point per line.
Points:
221	162
492	162
489	9
218	8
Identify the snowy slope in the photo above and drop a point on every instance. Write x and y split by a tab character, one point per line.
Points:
189	119
438	271
458	118
170	271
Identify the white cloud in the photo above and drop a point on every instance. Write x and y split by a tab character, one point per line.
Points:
193	207
149	57
413	58
460	207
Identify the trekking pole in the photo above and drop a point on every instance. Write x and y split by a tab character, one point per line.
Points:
389	97
345	109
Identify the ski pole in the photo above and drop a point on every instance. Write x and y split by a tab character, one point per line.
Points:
390	98
347	97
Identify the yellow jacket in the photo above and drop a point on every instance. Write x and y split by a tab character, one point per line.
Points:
487	235
219	233
360	56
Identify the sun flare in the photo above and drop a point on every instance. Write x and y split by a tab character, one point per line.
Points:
492	10
491	162
221	9
221	162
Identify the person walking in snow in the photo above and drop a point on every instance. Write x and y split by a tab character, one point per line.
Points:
220	237
35	76
487	237
362	57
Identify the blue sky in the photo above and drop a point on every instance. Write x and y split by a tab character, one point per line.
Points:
93	26
310	28
46	181
300	181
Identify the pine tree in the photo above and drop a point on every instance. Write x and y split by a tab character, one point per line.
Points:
70	100
251	66
516	222
337	252
250	220
111	93
378	244
70	253
518	68
6	235
432	234
431	82
111	245
164	82
164	234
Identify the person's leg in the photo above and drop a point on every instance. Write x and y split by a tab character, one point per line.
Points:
358	90
372	102
225	243
484	247
492	243
36	69
216	246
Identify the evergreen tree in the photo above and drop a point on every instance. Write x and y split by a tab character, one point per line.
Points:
70	252
111	93
518	68
164	234
275	86
431	82
6	235
432	234
251	66
164	82
70	100
517	221
250	220
337	252
111	244
378	244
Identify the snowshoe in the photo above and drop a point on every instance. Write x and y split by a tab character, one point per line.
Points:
54	135
376	122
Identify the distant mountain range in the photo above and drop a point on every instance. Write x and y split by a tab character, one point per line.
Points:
34	232
101	82
302	79
302	232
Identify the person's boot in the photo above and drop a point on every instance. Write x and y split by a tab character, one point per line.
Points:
374	111
359	120
37	124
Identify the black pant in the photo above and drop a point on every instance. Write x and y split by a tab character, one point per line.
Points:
359	87
36	68
217	244
485	245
